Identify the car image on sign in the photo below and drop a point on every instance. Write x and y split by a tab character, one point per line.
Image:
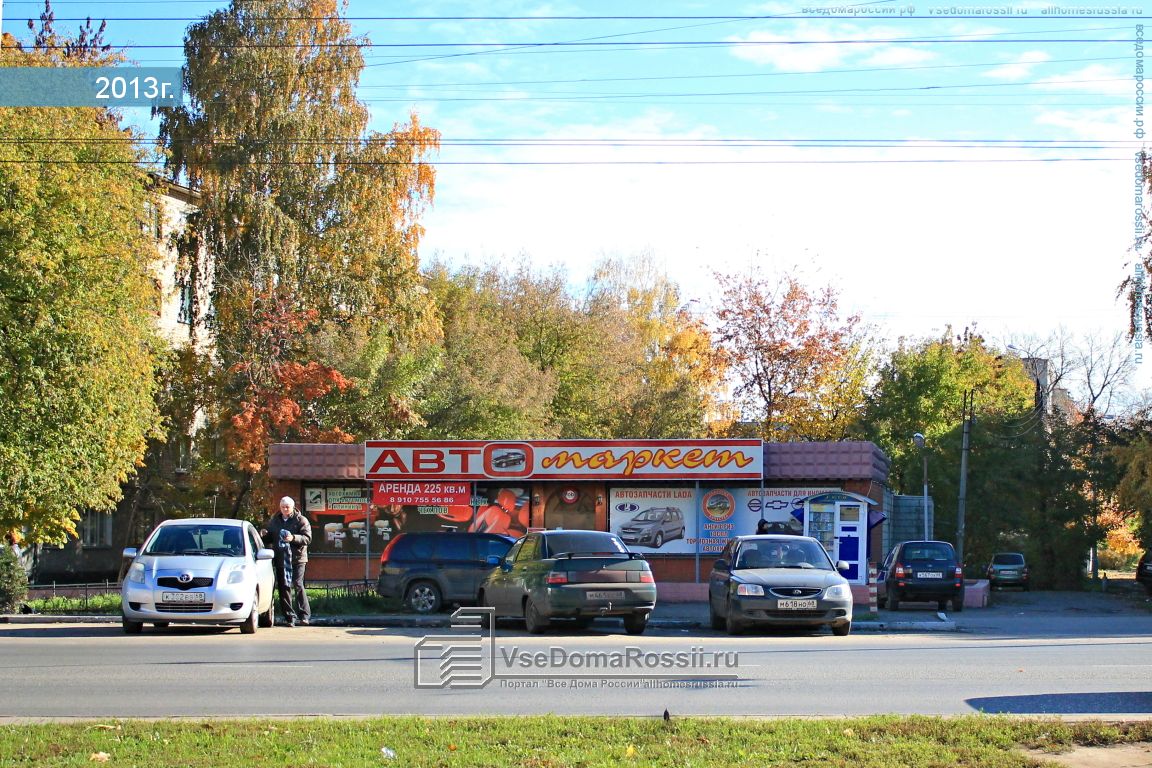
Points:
507	459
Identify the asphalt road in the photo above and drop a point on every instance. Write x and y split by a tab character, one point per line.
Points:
1030	654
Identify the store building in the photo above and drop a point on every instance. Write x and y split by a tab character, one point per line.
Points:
677	501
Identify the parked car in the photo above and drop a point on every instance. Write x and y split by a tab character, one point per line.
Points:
921	571
778	579
571	574
429	569
199	571
1144	572
1008	569
653	527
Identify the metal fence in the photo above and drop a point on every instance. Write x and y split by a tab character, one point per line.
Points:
93	598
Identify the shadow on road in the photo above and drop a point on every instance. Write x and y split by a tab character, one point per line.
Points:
1104	703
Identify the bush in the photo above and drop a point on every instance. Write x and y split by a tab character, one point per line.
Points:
13	581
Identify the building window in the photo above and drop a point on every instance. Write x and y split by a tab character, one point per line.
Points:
152	225
184	314
95	529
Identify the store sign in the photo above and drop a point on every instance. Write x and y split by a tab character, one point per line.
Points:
422	494
565	460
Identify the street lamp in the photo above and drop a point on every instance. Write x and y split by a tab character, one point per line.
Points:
919	440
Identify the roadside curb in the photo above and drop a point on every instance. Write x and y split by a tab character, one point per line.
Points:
404	621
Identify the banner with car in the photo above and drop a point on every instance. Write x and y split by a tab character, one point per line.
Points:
680	520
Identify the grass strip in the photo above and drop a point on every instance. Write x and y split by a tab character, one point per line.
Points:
558	742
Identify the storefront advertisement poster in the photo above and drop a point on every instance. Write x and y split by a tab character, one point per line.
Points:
314	500
654	519
728	512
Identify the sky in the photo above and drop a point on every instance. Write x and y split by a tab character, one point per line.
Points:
941	164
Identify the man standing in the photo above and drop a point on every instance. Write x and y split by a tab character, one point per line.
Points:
290	533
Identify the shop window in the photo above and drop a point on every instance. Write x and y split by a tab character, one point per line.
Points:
95	529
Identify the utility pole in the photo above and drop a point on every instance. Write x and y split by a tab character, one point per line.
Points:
968	413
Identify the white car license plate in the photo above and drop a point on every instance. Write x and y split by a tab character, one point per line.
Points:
1008	574
796	605
604	595
930	575
182	597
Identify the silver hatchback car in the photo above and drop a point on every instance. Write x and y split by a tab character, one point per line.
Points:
199	571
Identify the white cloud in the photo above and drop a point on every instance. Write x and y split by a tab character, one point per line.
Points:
1019	69
899	55
1095	78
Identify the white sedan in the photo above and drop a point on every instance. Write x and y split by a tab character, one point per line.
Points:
199	571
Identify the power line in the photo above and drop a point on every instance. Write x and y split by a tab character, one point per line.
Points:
374	163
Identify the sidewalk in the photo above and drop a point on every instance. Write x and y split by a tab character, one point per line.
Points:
668	616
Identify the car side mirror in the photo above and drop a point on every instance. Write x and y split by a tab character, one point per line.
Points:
493	560
265	554
842	565
129	553
721	565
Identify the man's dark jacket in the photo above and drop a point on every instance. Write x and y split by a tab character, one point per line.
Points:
298	526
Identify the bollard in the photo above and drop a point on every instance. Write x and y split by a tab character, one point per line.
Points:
872	573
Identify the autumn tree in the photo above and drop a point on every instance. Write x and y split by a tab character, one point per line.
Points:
77	350
310	226
672	381
799	368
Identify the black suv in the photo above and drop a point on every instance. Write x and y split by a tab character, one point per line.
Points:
924	571
1144	571
429	570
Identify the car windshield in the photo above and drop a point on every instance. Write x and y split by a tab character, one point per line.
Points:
212	540
585	543
780	554
649	516
1008	558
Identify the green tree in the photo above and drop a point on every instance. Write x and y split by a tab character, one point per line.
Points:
312	226
77	351
484	387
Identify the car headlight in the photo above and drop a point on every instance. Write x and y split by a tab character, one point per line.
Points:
136	573
750	589
838	592
237	574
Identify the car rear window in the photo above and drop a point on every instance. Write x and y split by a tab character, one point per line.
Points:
1008	558
934	552
585	543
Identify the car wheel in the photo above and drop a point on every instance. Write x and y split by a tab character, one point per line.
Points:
635	624
659	540
533	621
893	601
132	627
715	619
732	624
941	605
881	601
842	630
958	603
160	624
423	597
249	625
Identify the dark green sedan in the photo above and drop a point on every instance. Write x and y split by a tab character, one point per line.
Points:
576	575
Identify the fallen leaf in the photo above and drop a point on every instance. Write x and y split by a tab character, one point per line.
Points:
630	752
389	754
99	757
451	747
